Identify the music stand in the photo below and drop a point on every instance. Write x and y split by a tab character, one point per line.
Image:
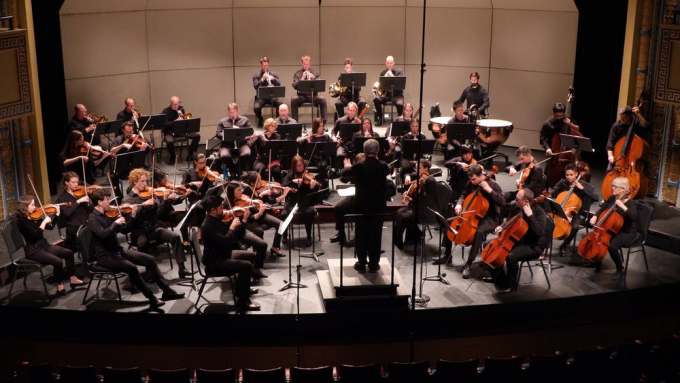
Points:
410	147
289	131
348	130
271	92
441	277
282	148
236	134
399	128
551	206
289	284
312	86
352	80
153	121
108	127
392	83
460	132
187	243
576	142
359	144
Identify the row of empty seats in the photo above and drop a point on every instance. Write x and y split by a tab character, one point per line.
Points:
631	362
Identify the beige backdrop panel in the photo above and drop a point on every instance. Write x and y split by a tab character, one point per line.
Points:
289	36
450	3
552	5
526	99
188	4
368	43
104	44
267	5
182	39
106	95
204	93
447	38
72	7
534	40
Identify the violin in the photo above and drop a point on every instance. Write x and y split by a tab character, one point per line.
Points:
413	187
49	209
207	173
495	253
80	190
571	205
594	245
93	151
115	211
473	207
307	177
274	187
137	141
147	193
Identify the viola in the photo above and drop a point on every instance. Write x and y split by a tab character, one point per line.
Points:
137	141
631	151
465	224
254	206
49	209
571	205
594	245
93	151
146	193
125	208
413	187
207	173
307	177
274	187
495	253
80	190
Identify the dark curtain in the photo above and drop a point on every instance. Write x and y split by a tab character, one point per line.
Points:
52	83
597	72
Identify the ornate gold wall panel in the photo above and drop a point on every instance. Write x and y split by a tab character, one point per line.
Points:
15	87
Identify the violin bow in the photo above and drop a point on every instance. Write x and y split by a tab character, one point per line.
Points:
113	193
30	179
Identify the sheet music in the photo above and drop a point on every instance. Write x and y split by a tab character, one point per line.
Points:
347	192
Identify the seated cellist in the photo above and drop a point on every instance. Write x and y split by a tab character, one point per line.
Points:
492	192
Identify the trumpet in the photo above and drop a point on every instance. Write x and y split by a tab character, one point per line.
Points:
269	79
334	90
389	73
307	75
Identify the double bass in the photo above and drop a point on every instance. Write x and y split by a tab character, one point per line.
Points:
594	245
555	171
495	253
571	205
630	154
465	224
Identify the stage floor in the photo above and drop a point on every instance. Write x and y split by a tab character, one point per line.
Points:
570	280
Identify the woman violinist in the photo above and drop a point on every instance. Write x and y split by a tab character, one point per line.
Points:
38	249
77	212
628	233
406	166
200	179
302	184
259	192
234	192
72	157
264	159
405	220
583	190
530	245
395	143
318	135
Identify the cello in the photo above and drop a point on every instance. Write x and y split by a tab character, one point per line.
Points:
594	245
495	253
555	171
631	151
571	204
465	228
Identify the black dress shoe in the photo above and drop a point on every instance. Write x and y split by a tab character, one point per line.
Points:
170	295
254	291
276	253
154	303
62	292
74	285
184	273
337	238
247	305
360	268
373	268
257	273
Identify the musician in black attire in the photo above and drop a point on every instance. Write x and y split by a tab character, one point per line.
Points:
322	161
345	206
306	73
200	184
84	124
144	224
459	117
477	95
220	255
628	233
229	148
395	141
406	162
264	218
490	190
345	146
397	98
458	167
301	186
405	217
75	214
263	159
369	176
265	77
130	113
528	248
39	250
558	123
72	158
175	112
583	190
111	255
283	117
346	96
619	129
128	156
534	179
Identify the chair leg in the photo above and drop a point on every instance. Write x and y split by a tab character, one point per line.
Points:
42	278
120	298
200	294
233	287
545	272
644	255
14	278
88	289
